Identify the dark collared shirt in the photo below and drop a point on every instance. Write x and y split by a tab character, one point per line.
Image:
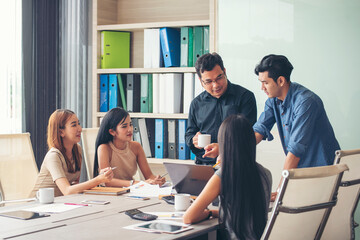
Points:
303	125
207	113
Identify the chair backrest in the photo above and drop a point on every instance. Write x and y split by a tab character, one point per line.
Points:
305	197
88	138
18	170
340	224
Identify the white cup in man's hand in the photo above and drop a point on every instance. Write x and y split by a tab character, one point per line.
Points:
204	140
45	195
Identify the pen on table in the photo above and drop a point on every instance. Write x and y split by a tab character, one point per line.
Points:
164	175
216	164
111	169
76	204
139	197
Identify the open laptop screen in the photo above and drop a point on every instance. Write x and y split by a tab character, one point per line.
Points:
188	178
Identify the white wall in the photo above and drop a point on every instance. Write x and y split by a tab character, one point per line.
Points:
321	39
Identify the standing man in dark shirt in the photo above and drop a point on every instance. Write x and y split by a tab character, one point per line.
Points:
220	99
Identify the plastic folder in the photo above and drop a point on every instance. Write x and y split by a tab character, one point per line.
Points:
144	93
150	125
150	93
115	49
122	91
160	138
104	93
172	139
186	47
113	91
162	91
170	44
184	152
191	48
188	91
136	131
192	155
198	42
144	137
172	93
206	40
152	50
133	92
156	93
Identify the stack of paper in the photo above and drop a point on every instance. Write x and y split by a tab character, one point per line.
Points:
144	189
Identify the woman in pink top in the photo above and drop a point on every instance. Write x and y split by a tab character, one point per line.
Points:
115	148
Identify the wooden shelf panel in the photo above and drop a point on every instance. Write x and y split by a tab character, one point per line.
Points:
147	70
152	115
145	11
137	26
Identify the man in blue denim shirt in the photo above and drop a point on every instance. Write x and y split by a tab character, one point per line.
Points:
306	134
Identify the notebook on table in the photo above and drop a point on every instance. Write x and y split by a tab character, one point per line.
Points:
107	191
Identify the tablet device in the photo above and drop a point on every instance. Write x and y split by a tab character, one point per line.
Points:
163	227
24	215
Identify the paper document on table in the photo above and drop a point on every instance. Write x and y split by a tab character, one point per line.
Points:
144	189
52	208
168	215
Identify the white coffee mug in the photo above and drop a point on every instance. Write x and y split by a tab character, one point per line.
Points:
204	140
45	195
182	201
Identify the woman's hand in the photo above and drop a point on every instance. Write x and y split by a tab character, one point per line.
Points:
211	150
105	175
158	180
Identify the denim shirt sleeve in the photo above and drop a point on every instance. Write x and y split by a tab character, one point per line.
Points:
266	121
302	129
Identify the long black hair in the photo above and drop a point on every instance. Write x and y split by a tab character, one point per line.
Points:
242	193
110	121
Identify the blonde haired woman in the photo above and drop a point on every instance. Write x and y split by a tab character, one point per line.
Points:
61	166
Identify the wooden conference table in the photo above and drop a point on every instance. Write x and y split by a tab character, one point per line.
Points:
95	221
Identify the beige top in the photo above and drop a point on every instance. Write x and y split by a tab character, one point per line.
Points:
53	168
125	162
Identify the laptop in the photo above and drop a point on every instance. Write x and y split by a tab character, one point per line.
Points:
188	178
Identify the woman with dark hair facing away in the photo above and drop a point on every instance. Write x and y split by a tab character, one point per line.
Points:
61	166
244	186
115	148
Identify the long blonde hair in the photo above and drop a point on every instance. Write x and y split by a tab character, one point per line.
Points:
57	121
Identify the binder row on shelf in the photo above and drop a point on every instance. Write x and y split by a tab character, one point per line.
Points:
174	47
162	138
149	93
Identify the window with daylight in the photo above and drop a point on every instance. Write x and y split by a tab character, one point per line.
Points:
10	67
